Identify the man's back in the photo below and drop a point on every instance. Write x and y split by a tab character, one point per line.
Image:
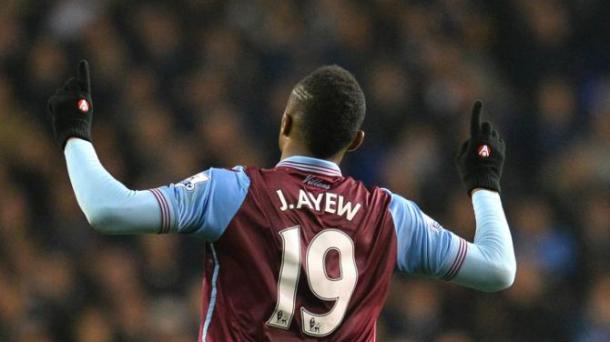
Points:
308	254
299	251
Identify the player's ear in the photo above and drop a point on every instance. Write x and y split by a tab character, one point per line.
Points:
357	142
286	124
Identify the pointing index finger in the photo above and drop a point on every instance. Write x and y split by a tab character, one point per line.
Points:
475	123
82	76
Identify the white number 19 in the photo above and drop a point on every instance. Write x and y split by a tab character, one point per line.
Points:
338	289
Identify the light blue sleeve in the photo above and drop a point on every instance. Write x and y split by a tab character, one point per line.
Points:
109	206
424	247
205	203
490	263
202	205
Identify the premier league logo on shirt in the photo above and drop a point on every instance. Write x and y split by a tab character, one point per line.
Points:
431	223
190	182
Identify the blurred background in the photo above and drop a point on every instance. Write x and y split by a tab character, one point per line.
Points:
184	85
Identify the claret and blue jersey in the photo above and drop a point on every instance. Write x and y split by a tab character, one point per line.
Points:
301	251
205	204
297	251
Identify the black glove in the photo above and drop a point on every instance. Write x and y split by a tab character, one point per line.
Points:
481	158
71	109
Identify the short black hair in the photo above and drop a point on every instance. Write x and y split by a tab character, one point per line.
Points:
332	108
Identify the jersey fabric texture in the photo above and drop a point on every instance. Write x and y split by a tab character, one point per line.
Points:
243	212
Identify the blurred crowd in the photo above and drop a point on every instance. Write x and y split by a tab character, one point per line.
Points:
184	85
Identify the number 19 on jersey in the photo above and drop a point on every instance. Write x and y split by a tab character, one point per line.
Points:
330	289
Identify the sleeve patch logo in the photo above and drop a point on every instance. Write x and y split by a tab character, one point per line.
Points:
431	223
190	182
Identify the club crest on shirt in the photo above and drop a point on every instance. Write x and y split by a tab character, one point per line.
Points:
190	182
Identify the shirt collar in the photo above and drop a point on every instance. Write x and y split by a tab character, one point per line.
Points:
310	164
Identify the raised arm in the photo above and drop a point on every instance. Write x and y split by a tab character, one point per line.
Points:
202	205
425	247
489	263
109	206
480	163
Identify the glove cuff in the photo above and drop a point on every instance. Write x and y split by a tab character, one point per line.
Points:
78	129
488	182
